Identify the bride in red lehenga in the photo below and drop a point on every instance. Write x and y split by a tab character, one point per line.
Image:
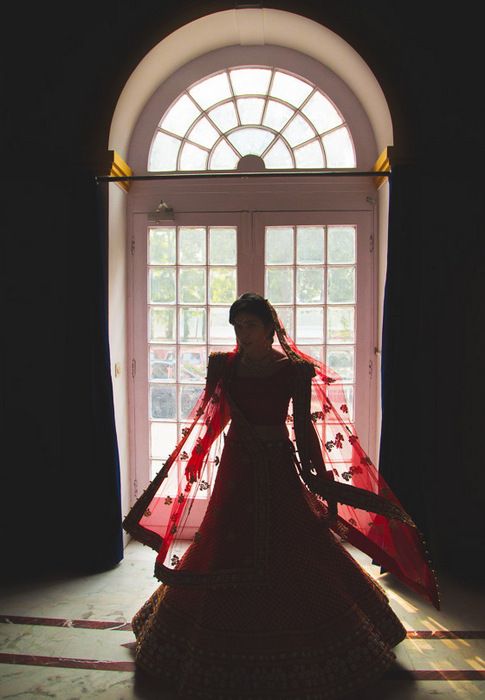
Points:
266	602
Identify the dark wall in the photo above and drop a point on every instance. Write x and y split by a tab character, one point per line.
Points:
64	66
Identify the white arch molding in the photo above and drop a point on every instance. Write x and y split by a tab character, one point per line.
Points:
249	27
230	28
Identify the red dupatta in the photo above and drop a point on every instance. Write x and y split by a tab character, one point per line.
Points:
370	516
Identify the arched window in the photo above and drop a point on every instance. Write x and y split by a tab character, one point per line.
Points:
263	111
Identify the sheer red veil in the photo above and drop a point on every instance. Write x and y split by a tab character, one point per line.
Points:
368	514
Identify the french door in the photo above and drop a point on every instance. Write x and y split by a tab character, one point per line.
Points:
316	267
186	275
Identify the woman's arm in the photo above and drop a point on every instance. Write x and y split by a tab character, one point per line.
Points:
309	448
316	457
215	369
214	413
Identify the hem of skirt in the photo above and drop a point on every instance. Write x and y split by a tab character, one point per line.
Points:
365	678
329	671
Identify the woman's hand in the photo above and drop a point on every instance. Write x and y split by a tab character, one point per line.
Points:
315	483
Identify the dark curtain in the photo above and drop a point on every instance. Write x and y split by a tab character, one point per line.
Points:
99	539
403	457
111	541
60	484
90	493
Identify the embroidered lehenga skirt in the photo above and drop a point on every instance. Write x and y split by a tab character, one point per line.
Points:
313	626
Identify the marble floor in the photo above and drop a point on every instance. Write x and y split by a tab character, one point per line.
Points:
70	638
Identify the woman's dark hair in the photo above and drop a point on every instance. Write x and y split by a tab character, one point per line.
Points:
255	304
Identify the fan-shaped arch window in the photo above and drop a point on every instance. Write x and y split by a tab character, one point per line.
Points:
261	111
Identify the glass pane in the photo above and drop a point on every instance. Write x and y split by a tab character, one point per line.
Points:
182	427
310	156
315	351
310	244
279	245
193	158
220	330
341	360
171	483
162	286
277	115
309	325
224	116
192	322
211	90
192	286
315	401
309	285
204	133
290	89
279	156
180	116
319	427
339	149
222	348
279	285
192	246
223	246
163	439
285	314
163	402
222	285
341	285
161	246
192	364
252	141
340	324
344	454
163	153
348	391
349	395
188	399
250	81
298	130
223	157
322	113
162	324
341	244
250	109
162	362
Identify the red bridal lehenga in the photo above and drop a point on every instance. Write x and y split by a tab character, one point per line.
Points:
266	602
